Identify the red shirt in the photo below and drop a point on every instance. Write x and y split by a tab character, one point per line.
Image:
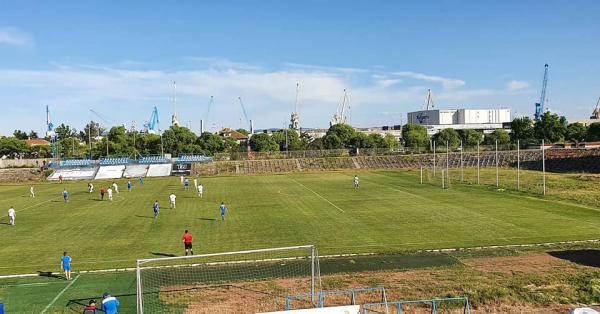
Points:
187	238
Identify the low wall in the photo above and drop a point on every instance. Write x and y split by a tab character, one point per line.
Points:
22	163
20	175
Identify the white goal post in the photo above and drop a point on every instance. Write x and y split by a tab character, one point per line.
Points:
162	283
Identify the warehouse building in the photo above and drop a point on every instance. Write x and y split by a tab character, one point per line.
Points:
460	119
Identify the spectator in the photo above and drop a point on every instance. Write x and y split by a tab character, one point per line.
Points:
110	304
91	308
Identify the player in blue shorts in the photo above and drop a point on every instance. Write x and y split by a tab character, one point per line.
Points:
65	264
129	185
141	181
65	195
186	184
223	209
155	208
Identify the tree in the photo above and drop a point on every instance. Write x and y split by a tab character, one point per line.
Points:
262	142
551	127
522	129
470	137
343	135
64	131
32	134
593	132
391	141
499	135
316	144
449	136
13	147
415	135
20	135
178	140
91	130
576	132
289	137
210	143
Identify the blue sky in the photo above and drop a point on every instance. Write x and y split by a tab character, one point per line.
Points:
121	58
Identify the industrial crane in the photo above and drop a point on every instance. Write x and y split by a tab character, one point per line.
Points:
340	116
295	118
539	106
246	115
153	125
596	112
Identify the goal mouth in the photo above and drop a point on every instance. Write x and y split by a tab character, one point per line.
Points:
229	282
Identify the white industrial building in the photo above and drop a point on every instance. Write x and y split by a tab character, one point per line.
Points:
477	119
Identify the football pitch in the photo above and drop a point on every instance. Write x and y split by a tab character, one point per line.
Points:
391	212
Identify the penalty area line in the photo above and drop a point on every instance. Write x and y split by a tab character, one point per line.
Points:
319	195
59	294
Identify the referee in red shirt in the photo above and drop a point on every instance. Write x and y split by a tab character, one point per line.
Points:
187	242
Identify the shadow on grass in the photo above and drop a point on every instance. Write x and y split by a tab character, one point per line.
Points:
581	257
207	219
49	274
140	216
163	254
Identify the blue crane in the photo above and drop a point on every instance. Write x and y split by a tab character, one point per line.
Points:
153	125
539	106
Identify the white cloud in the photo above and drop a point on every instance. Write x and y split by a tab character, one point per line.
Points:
515	85
447	83
125	94
14	37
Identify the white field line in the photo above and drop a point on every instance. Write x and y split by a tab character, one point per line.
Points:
447	250
319	195
34	205
59	294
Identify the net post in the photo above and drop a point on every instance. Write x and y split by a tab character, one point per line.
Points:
497	179
447	170
462	169
518	166
421	174
477	162
434	158
140	306
312	273
544	166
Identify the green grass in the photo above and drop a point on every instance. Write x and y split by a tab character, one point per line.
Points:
390	213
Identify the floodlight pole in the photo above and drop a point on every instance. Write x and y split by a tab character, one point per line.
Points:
162	149
90	137
497	181
518	166
544	165
477	162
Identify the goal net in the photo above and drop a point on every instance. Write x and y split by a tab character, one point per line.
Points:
234	282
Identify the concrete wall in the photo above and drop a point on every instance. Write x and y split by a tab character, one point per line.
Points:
20	163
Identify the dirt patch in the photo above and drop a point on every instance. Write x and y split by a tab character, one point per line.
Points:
509	264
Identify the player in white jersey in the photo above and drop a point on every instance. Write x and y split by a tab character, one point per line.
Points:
356	182
90	187
11	216
32	192
115	187
172	200
200	190
110	191
195	183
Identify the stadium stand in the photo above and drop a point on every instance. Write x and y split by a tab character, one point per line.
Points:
73	174
114	161
75	163
193	158
135	171
110	172
153	160
159	170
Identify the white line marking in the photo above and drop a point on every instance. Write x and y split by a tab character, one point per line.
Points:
59	294
34	205
319	195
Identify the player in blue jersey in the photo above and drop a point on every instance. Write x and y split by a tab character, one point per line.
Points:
65	265
223	209
129	185
155	208
110	304
65	195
